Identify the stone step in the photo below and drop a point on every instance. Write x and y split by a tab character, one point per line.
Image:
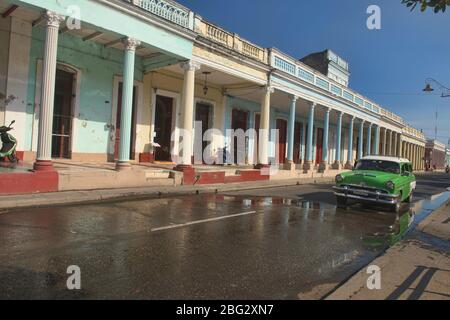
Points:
156	174
160	181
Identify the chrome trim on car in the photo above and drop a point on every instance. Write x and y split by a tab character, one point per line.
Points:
378	197
351	196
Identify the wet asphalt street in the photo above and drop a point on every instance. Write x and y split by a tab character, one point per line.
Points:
281	243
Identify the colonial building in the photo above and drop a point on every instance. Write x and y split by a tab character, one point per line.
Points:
122	84
435	155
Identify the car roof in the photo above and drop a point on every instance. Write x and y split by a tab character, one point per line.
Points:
384	158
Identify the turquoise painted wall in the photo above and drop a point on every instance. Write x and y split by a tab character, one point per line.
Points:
98	66
107	18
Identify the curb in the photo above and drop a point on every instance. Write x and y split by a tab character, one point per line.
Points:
8	203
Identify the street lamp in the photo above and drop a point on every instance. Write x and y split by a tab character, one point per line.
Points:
428	88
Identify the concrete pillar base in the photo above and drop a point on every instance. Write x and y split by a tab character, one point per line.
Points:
122	166
337	165
349	166
43	165
308	166
290	166
261	166
323	167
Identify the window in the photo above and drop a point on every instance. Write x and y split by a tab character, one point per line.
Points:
378	165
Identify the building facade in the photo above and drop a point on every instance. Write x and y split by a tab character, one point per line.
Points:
123	84
435	155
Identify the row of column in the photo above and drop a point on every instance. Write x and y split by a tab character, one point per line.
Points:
397	147
43	159
386	142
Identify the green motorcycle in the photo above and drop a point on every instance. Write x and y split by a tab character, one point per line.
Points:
9	144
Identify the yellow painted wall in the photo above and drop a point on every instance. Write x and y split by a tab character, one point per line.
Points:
164	80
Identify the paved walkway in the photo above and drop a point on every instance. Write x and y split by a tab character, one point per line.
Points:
417	268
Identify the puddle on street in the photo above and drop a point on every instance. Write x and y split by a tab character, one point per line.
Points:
404	222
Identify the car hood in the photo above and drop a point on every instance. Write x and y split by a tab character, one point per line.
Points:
370	178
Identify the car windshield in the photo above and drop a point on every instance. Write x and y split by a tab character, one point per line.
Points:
378	165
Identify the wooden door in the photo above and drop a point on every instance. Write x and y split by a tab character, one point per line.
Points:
239	120
163	127
297	141
63	115
282	138
319	146
118	123
203	115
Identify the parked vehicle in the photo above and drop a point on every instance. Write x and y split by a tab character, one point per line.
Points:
447	169
9	144
382	180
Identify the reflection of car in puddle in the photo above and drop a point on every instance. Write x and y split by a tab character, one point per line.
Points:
402	224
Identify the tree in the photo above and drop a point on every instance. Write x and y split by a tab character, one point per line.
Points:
437	5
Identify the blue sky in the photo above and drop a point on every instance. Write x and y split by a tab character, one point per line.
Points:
388	66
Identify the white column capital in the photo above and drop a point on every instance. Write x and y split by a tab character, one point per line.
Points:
131	44
190	65
294	98
267	90
52	19
327	109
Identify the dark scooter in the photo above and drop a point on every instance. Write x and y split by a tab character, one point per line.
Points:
9	144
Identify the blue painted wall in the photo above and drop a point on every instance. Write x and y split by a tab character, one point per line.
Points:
98	67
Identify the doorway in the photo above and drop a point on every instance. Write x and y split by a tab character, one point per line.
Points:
297	139
239	120
163	127
203	113
319	145
118	123
282	139
63	115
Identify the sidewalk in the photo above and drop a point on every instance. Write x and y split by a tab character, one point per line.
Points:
417	268
86	196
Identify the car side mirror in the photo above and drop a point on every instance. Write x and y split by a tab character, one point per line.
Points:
12	122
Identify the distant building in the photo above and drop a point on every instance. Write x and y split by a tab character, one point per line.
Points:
435	155
329	64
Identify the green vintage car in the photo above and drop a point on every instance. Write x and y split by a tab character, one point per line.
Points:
383	180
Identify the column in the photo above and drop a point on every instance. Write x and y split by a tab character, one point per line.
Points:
338	162
263	159
376	149
44	149
326	131
369	140
391	149
127	103
350	143
290	165
187	115
384	151
309	149
361	140
400	145
303	149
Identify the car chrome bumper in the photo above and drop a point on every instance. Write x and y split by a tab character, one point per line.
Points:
370	196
